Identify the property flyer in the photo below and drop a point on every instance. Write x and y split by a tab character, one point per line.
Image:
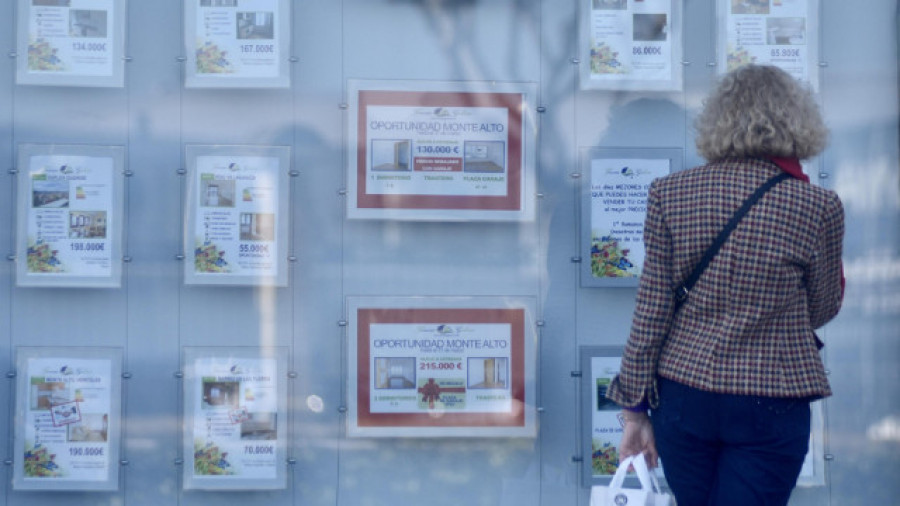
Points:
66	421
619	189
71	37
607	424
455	370
632	44
235	431
232	41
782	33
70	220
424	154
237	204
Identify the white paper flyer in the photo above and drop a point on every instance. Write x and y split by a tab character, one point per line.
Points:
782	33
71	37
236	431
236	218
67	420
70	216
631	44
606	422
619	189
237	43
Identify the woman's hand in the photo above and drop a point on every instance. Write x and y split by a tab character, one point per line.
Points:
638	438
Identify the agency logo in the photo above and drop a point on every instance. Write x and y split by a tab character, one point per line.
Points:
620	499
442	112
627	171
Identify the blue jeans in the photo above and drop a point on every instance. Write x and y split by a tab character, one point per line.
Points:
729	450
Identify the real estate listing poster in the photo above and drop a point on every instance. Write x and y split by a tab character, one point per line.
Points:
783	33
67	419
233	43
441	151
71	42
237	224
631	45
235	418
603	419
614	207
448	370
603	426
70	225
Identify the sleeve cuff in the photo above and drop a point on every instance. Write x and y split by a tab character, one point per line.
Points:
642	407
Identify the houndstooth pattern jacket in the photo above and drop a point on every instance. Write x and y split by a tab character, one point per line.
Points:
747	326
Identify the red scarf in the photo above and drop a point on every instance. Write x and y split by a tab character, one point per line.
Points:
791	166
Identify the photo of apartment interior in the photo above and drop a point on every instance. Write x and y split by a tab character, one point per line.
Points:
92	427
395	373
221	394
484	156
218	3
51	3
785	31
604	404
750	6
87	224
217	193
488	372
257	226
260	427
649	27
390	155
87	23
610	4
47	394
255	25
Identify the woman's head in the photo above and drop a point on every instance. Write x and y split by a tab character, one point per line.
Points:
757	111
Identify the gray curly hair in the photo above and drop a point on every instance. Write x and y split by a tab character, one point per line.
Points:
757	111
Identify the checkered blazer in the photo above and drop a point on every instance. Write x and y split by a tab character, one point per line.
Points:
747	326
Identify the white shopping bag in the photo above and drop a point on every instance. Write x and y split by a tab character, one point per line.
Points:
615	495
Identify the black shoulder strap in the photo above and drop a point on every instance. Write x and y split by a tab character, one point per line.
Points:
682	291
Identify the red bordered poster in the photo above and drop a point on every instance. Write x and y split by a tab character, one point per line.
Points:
450	369
440	151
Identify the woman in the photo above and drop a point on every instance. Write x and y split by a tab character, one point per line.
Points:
728	375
